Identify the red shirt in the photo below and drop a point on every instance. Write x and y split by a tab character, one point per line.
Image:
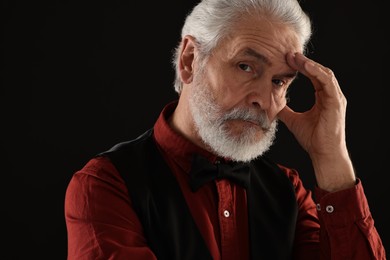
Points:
101	223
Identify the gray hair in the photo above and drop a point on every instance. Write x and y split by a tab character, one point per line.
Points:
209	22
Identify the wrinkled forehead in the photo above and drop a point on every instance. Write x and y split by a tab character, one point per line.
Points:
266	27
271	38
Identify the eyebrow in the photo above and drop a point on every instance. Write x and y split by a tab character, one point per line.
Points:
258	56
263	59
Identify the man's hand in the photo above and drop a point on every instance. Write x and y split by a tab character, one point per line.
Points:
321	130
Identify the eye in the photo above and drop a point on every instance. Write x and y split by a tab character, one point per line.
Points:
245	67
279	83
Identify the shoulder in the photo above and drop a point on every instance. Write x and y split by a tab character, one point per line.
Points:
95	172
130	144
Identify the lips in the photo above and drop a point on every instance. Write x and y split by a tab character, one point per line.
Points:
253	122
258	124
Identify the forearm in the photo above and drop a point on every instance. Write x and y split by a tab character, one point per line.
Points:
337	225
347	226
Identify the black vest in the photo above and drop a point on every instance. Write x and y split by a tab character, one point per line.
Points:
170	229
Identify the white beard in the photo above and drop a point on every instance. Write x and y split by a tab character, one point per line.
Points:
211	123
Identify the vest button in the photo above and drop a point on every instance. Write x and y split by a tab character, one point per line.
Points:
226	213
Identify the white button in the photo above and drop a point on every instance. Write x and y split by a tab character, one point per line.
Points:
226	213
329	209
318	207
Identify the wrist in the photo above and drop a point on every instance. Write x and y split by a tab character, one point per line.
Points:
334	173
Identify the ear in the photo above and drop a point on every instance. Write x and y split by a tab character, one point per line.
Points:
186	59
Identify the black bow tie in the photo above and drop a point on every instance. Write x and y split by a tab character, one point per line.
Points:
202	171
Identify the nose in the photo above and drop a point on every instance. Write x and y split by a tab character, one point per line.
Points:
260	97
266	98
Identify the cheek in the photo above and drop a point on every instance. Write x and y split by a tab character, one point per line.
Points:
279	103
281	99
229	93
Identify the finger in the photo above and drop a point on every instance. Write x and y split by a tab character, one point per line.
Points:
322	78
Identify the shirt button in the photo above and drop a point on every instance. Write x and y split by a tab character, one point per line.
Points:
226	213
329	209
318	207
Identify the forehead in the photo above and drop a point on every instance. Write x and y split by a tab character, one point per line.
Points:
268	37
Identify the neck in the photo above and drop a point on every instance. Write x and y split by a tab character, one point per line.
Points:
182	122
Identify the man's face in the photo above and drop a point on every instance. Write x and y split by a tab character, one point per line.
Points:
218	128
236	97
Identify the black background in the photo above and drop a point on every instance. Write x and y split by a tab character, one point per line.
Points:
78	77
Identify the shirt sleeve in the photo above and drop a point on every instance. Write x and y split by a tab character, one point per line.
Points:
348	230
100	221
336	225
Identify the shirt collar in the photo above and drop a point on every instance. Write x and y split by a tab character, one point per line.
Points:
173	144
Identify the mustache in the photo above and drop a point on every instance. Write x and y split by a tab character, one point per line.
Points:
257	117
